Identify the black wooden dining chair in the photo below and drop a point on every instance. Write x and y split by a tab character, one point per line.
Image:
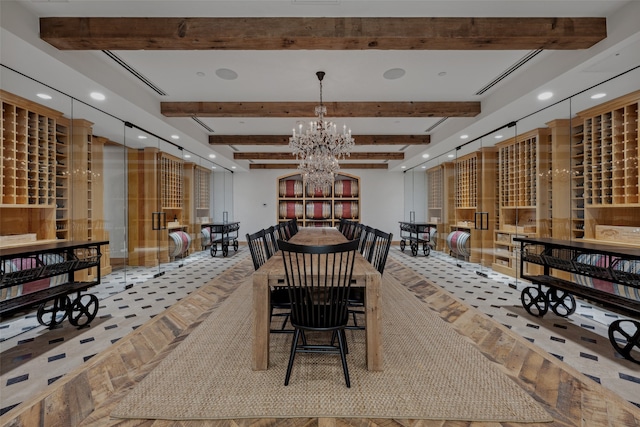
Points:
279	296
283	231
380	250
318	279
257	248
376	252
271	237
293	226
367	238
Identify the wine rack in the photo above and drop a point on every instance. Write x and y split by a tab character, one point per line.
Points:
606	204
524	186
323	206
439	179
474	186
51	178
171	177
30	170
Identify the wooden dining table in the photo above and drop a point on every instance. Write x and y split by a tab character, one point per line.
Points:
271	273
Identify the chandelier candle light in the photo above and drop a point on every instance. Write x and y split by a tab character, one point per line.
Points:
320	147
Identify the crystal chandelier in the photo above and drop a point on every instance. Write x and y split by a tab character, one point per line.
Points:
320	146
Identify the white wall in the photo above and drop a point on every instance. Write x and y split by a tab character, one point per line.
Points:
381	199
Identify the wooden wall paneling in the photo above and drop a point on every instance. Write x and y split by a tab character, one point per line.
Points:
189	204
561	183
487	175
99	231
81	132
201	201
143	200
561	187
435	205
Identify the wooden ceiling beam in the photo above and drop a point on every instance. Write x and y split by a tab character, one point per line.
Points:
267	140
336	33
295	166
334	109
289	156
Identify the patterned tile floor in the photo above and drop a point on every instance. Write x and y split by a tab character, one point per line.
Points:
33	357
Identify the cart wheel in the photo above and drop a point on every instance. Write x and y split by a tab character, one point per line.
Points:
626	340
534	301
235	246
53	312
414	249
402	245
426	249
225	250
561	302
83	310
214	250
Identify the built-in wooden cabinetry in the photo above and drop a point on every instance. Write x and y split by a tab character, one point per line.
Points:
524	203
155	191
30	167
197	183
318	206
440	210
51	178
475	176
609	207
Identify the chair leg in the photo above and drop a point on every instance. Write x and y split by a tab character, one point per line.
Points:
292	356
346	345
284	324
342	341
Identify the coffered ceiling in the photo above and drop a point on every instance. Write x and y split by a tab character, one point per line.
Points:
234	77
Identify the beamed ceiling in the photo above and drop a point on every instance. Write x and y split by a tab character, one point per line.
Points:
240	81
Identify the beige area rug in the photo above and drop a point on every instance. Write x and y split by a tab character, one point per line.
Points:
431	372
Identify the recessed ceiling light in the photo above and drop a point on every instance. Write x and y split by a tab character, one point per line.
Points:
175	136
425	156
598	95
142	137
44	96
226	74
213	167
187	156
450	156
212	156
97	96
498	136
403	167
393	73
545	95
464	136
424	167
233	167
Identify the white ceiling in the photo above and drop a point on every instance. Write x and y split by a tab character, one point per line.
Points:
290	75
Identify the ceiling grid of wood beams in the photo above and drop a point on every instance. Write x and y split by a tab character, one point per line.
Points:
338	33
